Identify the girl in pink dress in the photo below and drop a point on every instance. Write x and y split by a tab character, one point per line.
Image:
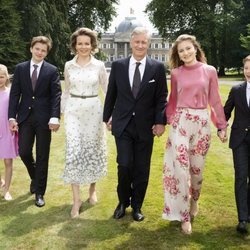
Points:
194	86
8	140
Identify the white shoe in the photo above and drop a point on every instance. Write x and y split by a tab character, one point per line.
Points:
7	196
186	227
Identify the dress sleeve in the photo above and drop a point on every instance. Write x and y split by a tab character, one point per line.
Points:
66	93
103	78
214	100
172	102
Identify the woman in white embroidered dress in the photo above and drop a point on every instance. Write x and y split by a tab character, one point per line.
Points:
86	159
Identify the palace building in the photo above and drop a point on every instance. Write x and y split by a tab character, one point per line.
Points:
116	45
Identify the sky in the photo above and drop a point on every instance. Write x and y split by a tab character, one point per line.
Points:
123	10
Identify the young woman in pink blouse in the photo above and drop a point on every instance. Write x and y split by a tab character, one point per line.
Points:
194	86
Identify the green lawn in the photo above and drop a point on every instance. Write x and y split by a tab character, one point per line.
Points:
24	226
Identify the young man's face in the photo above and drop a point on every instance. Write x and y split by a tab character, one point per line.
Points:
247	70
39	51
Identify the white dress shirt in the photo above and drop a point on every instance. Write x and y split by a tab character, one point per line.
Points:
248	93
38	68
132	65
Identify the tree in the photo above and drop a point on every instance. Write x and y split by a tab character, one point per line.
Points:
50	19
95	14
215	24
11	45
245	40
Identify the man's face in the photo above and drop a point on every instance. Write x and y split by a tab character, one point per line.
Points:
139	45
39	51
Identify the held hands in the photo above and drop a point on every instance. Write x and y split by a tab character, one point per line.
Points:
158	129
222	134
54	127
13	125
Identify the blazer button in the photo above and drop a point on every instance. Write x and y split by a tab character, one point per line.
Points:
33	97
29	107
246	129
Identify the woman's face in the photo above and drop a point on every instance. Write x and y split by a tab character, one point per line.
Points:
83	46
187	52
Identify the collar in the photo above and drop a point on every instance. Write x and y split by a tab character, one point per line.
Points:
248	85
134	61
39	64
92	60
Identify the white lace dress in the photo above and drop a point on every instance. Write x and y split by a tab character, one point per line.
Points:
86	154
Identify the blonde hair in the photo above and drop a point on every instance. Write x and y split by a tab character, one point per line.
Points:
246	59
84	32
174	56
4	70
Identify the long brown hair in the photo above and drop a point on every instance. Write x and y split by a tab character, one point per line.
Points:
175	61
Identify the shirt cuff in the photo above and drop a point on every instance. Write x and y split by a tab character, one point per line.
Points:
54	120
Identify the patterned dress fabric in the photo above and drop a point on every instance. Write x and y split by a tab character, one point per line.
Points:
86	154
8	141
184	162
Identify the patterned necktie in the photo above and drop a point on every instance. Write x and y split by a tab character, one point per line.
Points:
34	76
136	80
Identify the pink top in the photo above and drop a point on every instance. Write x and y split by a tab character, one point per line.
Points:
195	87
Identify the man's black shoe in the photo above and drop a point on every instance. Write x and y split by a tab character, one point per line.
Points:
242	227
137	215
39	200
119	211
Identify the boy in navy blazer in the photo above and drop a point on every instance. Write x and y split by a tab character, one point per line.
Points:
34	110
239	101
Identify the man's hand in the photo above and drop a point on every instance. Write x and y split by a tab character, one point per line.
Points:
13	125
158	129
222	134
109	124
54	127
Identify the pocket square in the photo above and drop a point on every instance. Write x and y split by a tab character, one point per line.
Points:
151	81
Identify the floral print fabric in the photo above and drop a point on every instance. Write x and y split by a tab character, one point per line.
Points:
184	160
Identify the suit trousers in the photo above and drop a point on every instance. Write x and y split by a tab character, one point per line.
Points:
241	158
31	131
133	158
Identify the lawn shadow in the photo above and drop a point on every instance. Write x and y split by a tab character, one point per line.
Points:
37	218
16	205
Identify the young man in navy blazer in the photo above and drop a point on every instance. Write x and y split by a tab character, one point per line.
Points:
239	101
134	110
34	110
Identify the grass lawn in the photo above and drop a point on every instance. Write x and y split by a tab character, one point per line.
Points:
24	226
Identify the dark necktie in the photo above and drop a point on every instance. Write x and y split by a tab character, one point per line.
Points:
34	76
136	80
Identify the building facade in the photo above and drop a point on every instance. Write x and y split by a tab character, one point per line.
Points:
116	45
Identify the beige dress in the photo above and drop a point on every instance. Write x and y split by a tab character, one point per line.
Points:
86	154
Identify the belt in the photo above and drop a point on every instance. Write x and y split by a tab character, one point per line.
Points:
83	96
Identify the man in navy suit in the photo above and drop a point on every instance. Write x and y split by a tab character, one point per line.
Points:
34	109
239	101
134	110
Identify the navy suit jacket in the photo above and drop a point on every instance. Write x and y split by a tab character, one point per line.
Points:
149	105
44	101
241	123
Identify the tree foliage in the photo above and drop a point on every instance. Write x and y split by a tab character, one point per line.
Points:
95	14
11	47
22	20
215	23
245	40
